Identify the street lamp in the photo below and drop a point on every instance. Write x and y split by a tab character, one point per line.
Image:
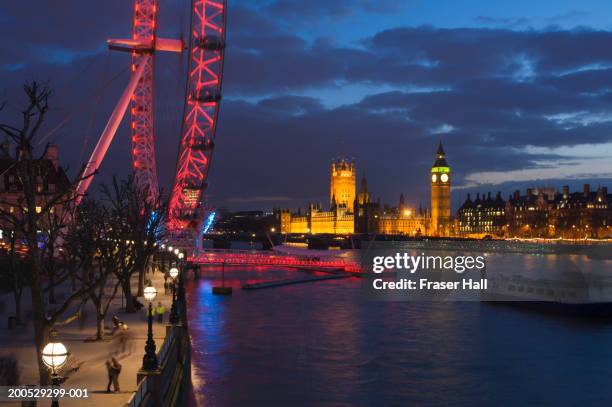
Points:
149	360
54	356
170	251
181	255
174	318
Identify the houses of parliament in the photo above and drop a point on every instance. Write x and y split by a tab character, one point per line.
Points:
353	211
539	213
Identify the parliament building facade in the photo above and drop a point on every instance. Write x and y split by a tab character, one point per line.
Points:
538	213
353	211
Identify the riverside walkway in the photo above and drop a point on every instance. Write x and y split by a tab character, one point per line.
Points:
87	357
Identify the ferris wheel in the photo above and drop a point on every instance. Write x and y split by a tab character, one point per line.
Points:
205	47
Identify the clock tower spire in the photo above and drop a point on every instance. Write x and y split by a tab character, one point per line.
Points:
440	195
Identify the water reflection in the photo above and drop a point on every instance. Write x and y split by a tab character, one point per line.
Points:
324	344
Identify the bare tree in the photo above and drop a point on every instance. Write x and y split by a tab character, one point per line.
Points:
27	215
89	241
52	242
15	274
136	221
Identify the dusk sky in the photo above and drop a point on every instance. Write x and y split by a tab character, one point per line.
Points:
520	92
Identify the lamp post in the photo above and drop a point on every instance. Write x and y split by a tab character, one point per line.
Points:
54	356
180	289
176	253
174	318
170	250
162	255
149	360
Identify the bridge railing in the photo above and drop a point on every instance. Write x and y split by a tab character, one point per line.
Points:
255	257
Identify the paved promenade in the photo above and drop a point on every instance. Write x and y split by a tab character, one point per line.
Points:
88	356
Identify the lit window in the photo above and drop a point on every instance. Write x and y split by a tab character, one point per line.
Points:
38	209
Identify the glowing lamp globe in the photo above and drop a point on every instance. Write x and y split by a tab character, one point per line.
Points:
176	251
150	293
174	272
181	255
54	355
169	248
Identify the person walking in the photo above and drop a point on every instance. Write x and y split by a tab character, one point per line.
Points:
122	338
113	368
111	373
117	367
160	312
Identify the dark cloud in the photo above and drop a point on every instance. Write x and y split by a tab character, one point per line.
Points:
568	15
59	33
502	21
300	9
292	104
590	81
488	93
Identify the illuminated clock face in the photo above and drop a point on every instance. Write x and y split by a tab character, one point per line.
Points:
434	177
444	177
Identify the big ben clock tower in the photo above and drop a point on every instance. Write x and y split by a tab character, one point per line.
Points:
440	195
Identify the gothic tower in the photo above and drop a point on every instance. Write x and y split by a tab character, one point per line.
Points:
342	185
440	195
363	197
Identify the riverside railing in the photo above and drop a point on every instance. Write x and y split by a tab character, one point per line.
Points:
162	387
137	398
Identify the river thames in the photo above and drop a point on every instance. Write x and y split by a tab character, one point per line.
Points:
324	343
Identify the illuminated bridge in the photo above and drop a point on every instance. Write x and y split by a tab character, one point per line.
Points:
262	258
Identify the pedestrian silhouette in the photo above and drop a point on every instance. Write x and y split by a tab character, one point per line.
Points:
114	368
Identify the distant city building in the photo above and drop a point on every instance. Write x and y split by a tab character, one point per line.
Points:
353	211
482	217
339	219
540	212
367	213
342	185
548	213
403	220
245	222
50	178
528	215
